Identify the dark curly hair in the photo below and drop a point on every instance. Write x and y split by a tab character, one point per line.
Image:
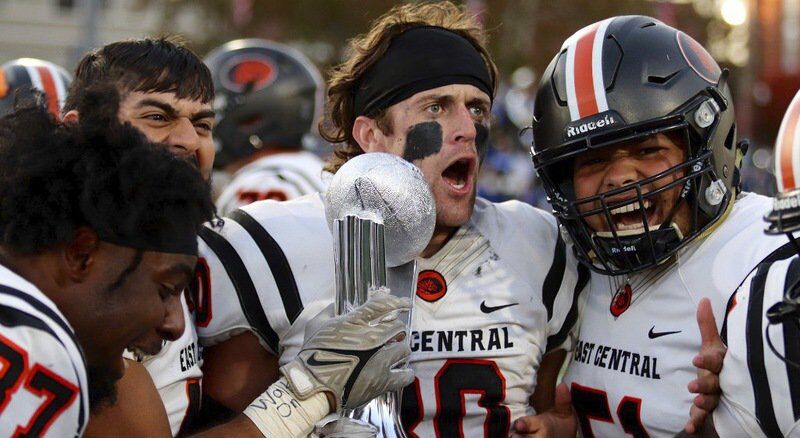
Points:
148	65
55	178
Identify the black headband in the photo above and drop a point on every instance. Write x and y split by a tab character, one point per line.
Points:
420	59
174	242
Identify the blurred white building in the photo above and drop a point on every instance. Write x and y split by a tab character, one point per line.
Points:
59	30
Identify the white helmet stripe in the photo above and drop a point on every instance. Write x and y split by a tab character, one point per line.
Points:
33	73
597	66
572	102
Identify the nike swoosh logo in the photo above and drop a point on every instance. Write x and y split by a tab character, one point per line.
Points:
313	361
490	309
652	335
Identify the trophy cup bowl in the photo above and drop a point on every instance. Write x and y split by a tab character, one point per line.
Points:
385	189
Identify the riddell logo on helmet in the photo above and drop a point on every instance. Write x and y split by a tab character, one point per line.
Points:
791	202
588	125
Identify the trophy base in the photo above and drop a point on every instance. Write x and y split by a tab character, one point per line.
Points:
334	426
382	414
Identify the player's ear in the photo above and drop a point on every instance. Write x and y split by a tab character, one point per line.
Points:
368	135
80	252
71	117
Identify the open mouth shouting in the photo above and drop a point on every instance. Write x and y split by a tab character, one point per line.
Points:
628	219
460	175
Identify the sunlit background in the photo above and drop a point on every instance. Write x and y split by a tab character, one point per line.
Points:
759	40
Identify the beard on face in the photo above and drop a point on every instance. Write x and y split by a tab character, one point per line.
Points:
193	160
102	387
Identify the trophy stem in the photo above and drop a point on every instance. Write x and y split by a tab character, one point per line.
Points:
360	261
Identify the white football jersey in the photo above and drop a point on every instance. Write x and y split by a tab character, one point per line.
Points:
270	265
507	296
176	373
279	177
43	388
498	296
760	392
629	373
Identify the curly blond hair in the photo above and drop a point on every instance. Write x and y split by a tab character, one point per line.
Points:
366	49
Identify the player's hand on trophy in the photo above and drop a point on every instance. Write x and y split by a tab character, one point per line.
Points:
558	421
357	356
709	365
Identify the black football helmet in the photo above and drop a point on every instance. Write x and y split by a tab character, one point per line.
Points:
24	75
785	215
267	94
622	80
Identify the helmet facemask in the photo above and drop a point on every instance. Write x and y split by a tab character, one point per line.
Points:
626	245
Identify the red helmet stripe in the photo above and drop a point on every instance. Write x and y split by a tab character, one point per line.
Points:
787	154
586	94
49	87
584	79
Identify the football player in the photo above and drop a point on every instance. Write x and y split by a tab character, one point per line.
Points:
268	99
166	93
496	297
25	74
760	378
635	142
99	240
97	245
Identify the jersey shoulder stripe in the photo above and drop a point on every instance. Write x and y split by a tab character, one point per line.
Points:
761	392
783	252
556	340
292	176
43	308
243	285
555	276
275	249
277	261
755	355
304	165
13	317
791	337
301	169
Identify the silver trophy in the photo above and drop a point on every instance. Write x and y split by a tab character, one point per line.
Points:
382	214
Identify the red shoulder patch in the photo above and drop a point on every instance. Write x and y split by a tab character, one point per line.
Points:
431	286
